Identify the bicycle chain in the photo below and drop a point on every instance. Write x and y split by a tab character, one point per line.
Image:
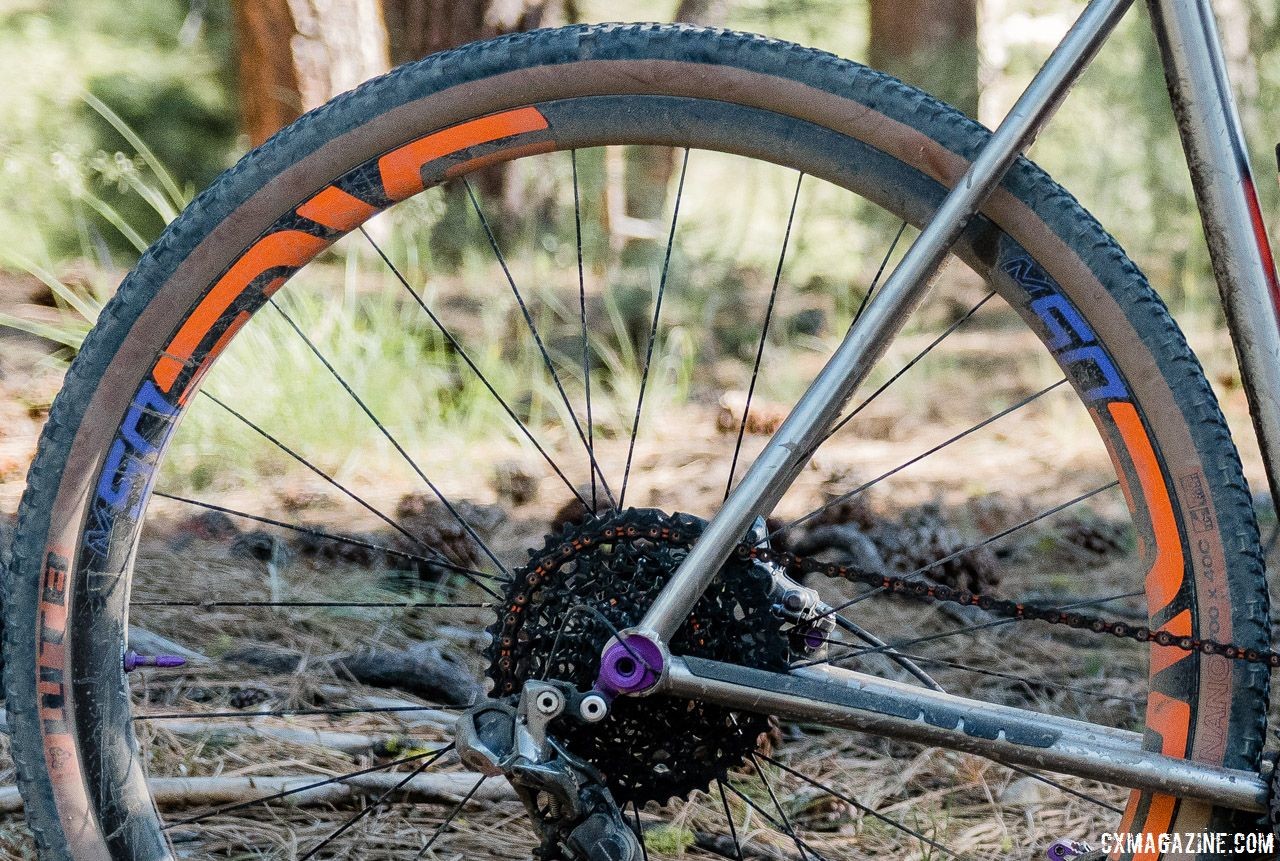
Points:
797	567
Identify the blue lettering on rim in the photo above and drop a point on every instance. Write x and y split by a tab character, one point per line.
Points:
131	462
1070	339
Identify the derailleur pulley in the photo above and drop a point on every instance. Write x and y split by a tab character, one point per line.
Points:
566	798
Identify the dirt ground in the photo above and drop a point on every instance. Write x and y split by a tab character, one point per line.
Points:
971	806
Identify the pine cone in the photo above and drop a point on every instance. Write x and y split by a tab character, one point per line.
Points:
333	550
996	512
262	546
428	520
512	482
1092	534
856	510
248	697
205	526
574	511
923	537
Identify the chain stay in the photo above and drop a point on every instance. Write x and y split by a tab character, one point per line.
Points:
926	591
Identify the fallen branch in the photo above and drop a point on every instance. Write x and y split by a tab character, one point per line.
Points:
345	742
420	716
177	792
724	846
146	642
423	669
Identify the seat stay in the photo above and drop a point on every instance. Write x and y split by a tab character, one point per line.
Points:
798	437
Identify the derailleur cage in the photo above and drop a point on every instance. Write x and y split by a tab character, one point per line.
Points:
566	798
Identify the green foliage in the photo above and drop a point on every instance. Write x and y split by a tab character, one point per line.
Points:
185	123
153	65
146	192
79	303
668	840
1114	145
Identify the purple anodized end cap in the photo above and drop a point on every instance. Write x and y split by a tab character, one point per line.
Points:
1062	849
630	666
132	661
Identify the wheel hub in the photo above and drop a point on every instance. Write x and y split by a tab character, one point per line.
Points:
599	577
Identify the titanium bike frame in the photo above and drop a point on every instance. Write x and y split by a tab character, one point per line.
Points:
1214	144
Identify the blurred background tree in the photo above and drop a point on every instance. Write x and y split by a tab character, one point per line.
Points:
199	81
295	55
932	44
422	27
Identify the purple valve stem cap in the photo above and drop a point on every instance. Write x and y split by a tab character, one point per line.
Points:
132	661
630	666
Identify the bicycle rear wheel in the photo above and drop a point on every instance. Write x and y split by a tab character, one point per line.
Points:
551	100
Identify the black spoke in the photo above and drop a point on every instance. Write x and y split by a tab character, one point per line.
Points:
471	574
904	661
908	366
875	282
366	810
462	521
435	835
582	312
462	354
1028	773
751	802
372	710
764	334
317	470
1014	677
844	497
342	778
967	629
1010	676
366	605
653	328
1004	533
969	668
728	817
888	820
786	823
533	330
635	812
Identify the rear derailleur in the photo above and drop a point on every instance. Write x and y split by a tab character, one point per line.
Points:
567	799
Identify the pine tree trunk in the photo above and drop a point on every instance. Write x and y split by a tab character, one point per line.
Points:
418	28
634	215
295	55
932	44
422	27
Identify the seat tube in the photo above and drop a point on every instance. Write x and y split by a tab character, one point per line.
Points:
1239	248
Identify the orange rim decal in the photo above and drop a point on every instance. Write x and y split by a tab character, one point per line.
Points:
401	168
1169	717
340	211
337	210
1164	580
216	350
291	248
1172	719
1163	657
509	154
1159	819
